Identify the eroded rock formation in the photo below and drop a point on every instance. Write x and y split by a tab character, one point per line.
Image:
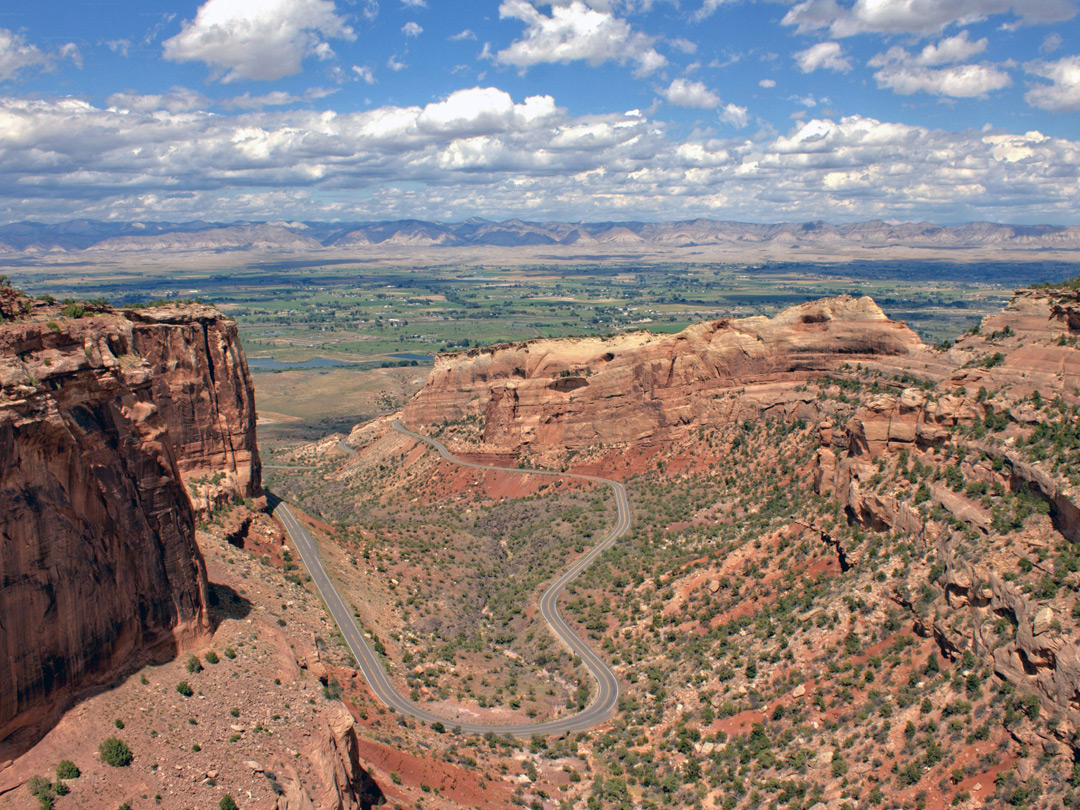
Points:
642	386
202	387
100	417
931	448
980	412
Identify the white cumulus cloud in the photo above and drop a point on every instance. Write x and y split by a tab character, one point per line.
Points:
575	32
685	93
707	9
951	49
412	29
1051	43
957	81
17	55
735	115
177	100
482	110
264	40
826	55
364	73
921	17
926	72
1063	93
479	150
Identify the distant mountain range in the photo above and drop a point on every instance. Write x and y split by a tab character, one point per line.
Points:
91	235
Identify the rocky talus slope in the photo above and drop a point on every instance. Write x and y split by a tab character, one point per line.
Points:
103	415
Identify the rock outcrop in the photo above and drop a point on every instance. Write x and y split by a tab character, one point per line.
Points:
342	783
1028	348
100	416
641	386
201	385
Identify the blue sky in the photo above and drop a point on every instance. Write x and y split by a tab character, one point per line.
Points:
940	110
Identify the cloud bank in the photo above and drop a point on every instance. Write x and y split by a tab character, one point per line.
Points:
480	151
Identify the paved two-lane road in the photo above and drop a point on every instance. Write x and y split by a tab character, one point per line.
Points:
607	686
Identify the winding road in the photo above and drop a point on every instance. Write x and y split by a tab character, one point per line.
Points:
372	665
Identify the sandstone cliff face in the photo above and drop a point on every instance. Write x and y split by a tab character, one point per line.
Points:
639	386
200	383
99	569
334	755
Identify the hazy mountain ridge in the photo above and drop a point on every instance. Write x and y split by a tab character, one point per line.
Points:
79	235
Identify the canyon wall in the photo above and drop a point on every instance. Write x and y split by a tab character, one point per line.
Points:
201	384
100	417
641	386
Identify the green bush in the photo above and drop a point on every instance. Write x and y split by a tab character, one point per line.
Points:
184	688
115	752
42	790
194	664
67	770
212	657
227	803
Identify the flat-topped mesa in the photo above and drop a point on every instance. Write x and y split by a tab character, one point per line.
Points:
640	386
99	416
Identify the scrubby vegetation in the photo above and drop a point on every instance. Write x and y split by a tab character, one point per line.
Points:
115	752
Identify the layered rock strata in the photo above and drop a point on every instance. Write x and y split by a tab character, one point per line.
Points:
996	371
640	386
201	385
100	416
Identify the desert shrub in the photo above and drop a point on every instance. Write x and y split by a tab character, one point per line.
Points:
115	752
42	790
332	690
194	664
184	688
227	803
67	770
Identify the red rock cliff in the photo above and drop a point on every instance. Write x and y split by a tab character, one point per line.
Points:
99	416
202	387
642	386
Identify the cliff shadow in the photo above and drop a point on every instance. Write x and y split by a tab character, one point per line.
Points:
226	603
272	501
